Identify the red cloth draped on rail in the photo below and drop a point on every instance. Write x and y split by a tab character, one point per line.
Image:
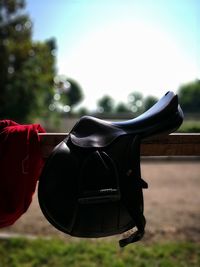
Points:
20	166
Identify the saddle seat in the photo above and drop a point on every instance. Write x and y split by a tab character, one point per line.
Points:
165	116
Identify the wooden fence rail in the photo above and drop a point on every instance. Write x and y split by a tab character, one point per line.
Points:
187	144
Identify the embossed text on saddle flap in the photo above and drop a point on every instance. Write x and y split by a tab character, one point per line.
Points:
93	132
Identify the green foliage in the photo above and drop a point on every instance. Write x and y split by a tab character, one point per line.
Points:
190	126
149	101
122	108
75	94
106	104
189	97
11	6
47	253
83	111
135	102
68	93
27	67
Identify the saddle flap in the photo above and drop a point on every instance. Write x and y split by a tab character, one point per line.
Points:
98	180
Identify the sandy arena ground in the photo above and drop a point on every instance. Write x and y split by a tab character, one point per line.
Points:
172	205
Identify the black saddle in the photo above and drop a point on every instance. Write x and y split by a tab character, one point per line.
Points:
91	185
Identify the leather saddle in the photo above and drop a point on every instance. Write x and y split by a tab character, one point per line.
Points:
91	185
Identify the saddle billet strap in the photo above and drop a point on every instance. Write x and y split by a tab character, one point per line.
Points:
132	202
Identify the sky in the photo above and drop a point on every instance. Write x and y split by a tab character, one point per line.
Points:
115	47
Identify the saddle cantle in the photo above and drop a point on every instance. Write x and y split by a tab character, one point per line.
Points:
91	185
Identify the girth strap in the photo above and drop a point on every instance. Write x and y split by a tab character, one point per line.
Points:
133	195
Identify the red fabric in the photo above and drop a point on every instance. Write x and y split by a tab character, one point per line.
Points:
20	166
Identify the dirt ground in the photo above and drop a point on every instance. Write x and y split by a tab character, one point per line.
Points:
172	205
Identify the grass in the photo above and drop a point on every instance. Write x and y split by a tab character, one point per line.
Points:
56	253
190	126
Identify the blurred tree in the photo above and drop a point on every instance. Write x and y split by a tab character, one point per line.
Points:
135	102
83	111
122	108
149	101
27	67
189	96
67	92
106	104
74	94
